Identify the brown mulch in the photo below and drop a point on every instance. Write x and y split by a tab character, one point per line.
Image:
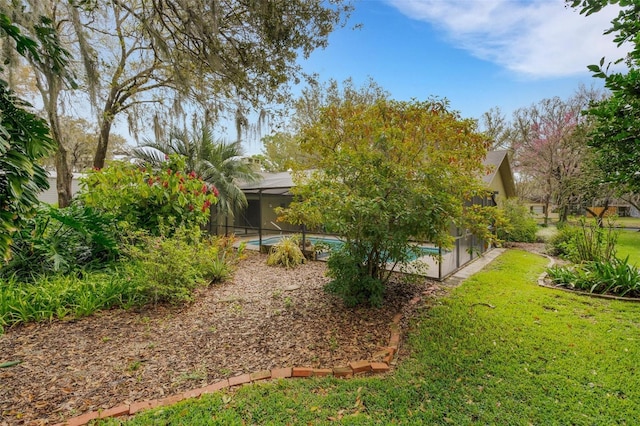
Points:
263	318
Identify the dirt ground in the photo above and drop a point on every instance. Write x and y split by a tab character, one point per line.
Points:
264	317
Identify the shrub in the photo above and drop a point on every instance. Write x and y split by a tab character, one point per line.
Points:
148	198
286	253
613	276
584	243
168	268
62	241
59	296
351	280
521	226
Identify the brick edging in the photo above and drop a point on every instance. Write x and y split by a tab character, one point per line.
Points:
381	363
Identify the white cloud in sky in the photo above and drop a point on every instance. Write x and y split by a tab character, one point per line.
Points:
539	38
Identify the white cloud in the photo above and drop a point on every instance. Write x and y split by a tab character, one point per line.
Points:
539	38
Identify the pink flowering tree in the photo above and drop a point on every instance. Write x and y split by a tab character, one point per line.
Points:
550	151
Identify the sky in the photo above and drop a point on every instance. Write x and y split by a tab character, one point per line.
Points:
478	54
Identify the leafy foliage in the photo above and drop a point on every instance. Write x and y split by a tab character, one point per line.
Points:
24	139
220	164
286	252
585	243
615	136
613	276
147	198
387	173
62	240
168	268
57	296
521	226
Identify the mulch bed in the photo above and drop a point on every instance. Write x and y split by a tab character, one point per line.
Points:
263	318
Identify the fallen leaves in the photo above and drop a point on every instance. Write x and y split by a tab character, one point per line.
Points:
119	356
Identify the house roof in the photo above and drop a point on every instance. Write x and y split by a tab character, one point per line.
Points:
270	183
498	164
280	183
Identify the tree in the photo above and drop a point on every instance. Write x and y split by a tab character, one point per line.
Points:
282	149
146	58
24	138
51	76
220	164
616	134
80	140
550	150
388	173
495	125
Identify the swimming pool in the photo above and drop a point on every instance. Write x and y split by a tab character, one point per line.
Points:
335	244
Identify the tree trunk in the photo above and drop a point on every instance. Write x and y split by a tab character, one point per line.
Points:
103	142
64	177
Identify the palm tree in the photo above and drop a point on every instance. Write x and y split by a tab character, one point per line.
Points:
216	162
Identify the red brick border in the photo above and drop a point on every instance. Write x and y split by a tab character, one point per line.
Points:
380	363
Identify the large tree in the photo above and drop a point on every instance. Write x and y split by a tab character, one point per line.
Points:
616	135
550	151
158	58
282	148
388	173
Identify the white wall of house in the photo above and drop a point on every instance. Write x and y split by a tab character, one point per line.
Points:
50	196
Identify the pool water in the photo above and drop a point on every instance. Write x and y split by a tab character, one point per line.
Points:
335	244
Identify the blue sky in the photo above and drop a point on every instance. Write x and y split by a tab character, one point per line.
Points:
478	54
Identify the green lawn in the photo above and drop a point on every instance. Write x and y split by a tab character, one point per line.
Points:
498	350
628	221
629	245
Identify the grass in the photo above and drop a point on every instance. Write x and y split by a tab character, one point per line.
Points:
629	245
628	222
497	350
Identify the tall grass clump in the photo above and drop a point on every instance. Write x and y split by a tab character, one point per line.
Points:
286	252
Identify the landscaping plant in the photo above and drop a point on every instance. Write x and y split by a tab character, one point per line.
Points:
167	268
148	198
521	226
286	252
62	240
388	174
615	276
585	242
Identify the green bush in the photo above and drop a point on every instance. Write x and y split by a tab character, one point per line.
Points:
351	280
59	296
286	252
63	240
521	226
584	243
147	198
613	276
169	268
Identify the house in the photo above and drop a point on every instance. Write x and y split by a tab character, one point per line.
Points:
50	196
259	219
